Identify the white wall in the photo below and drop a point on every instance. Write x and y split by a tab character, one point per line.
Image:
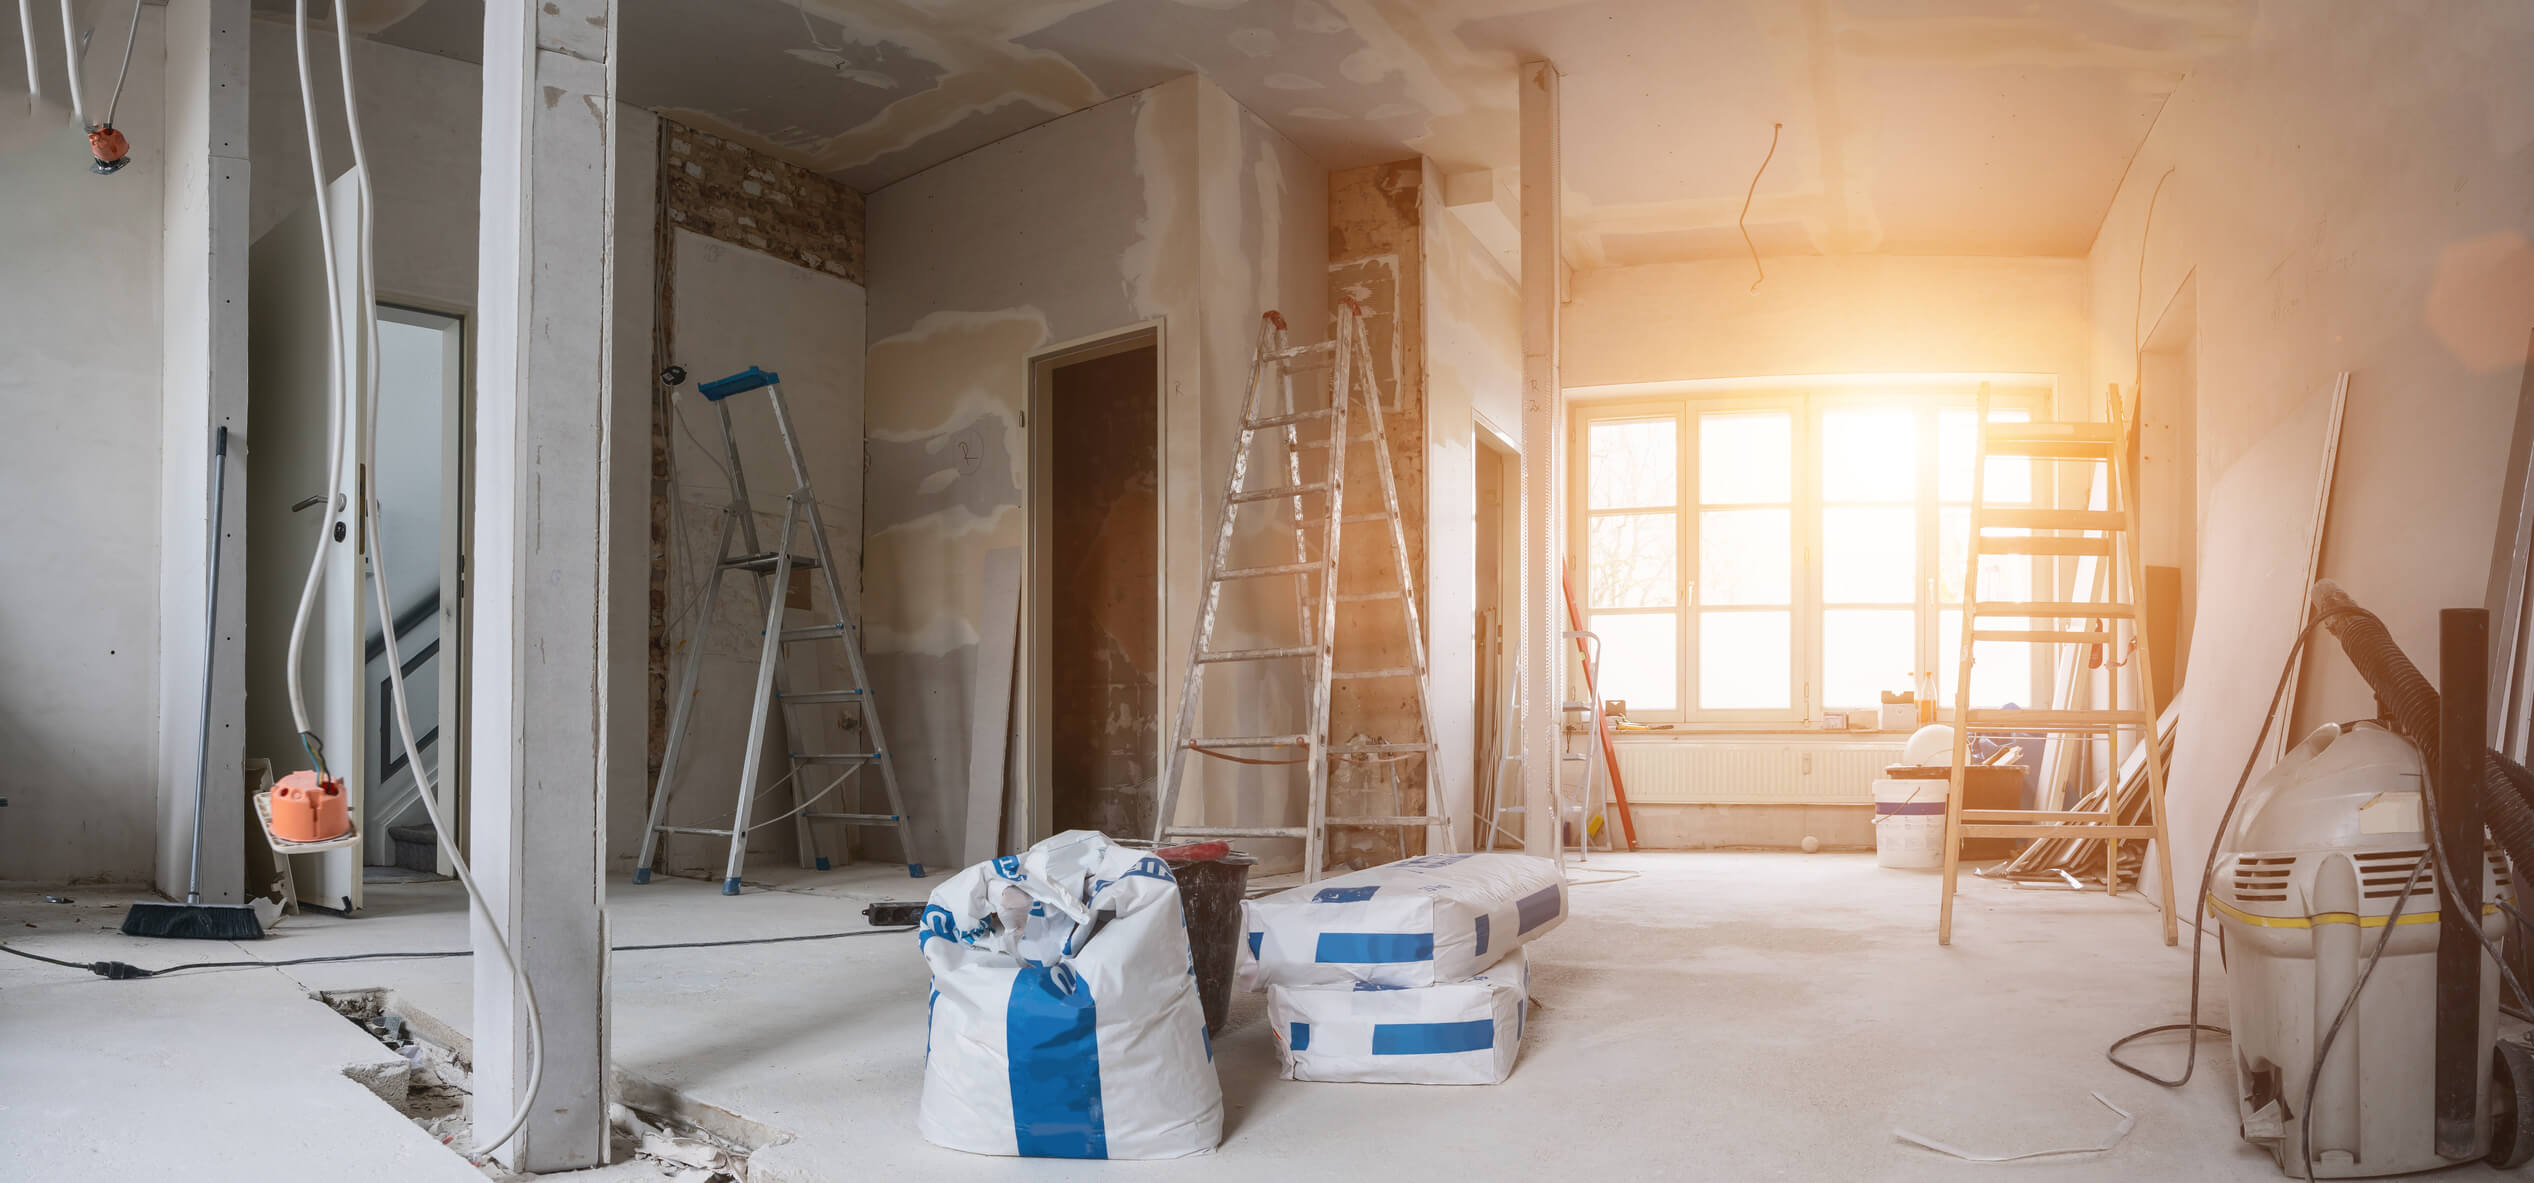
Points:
2354	191
79	590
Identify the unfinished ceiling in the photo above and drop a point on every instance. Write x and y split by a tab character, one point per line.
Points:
1982	127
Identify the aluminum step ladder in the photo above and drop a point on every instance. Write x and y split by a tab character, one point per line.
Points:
1315	507
2108	536
771	570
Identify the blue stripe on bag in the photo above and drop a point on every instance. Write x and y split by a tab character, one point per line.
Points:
1363	948
1482	936
1426	1039
1538	908
1301	1037
1050	1036
1345	895
1254	938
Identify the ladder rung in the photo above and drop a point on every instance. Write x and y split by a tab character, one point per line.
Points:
2051	519
1301	351
2054	610
2045	830
1999	720
764	563
1240	831
1400	671
1281	420
1313	567
1227	742
1258	654
815	632
1398	820
2041	636
1374	749
857	819
2050	441
2025	544
1355	438
1248	495
808	697
1359	518
693	830
1361	597
2090	817
1578	705
835	757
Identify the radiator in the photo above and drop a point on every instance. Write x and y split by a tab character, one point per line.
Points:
1678	772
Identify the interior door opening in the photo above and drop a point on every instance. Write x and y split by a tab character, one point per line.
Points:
420	484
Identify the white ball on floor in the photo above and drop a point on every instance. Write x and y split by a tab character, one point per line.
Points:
1812	845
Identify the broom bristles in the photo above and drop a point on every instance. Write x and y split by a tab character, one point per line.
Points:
196	922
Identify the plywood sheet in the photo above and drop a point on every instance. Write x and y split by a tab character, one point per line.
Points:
990	724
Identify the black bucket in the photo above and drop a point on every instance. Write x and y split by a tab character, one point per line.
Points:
1210	893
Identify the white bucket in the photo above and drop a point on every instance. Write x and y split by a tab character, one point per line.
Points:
1909	822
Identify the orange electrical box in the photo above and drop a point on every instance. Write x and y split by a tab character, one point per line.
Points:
306	809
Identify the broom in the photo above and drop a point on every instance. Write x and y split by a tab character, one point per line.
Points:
195	919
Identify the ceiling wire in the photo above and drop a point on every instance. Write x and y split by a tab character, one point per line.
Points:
1738	223
2138	302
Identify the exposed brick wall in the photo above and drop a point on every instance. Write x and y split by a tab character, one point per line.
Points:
743	197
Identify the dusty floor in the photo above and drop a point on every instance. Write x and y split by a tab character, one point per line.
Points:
1720	1016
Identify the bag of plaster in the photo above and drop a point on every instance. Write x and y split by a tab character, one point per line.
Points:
1456	1033
1415	922
1064	1020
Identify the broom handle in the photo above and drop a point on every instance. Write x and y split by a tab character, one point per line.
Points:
210	639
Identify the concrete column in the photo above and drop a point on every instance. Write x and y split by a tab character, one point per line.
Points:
540	556
202	339
1543	613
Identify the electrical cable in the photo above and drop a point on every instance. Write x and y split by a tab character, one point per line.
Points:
70	51
34	71
116	98
1747	194
121	971
334	500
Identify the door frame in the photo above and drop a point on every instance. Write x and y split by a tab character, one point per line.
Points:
1033	806
457	507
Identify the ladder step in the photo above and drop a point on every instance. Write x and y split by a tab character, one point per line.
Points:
2052	519
1361	675
814	632
857	819
1363	597
2087	817
1258	654
764	563
2048	830
835	757
2042	636
1229	742
2025	544
1354	519
2050	441
1577	705
1282	420
808	697
1355	438
693	830
1301	351
1997	720
1400	820
1240	831
2053	610
1314	567
1248	495
1375	749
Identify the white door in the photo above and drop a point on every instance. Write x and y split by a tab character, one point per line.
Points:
290	508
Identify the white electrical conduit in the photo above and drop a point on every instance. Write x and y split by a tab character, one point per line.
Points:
369	515
70	50
26	37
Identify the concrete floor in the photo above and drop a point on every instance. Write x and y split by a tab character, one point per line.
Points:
1718	1016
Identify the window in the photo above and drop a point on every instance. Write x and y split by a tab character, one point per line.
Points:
1764	559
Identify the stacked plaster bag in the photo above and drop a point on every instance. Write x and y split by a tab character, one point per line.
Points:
1064	1020
1408	973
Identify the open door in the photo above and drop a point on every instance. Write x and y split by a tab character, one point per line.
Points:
289	503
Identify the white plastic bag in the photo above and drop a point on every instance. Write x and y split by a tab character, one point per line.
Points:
1416	922
1064	1020
1457	1033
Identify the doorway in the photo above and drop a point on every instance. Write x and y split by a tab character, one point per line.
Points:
1095	630
1498	577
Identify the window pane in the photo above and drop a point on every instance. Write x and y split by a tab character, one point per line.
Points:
2009	477
1745	458
1869	556
1640	659
2002	577
2001	671
1742	660
1634	463
1869	456
1634	557
1866	653
1744	557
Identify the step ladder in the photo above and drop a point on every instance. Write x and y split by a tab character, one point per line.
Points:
771	569
2109	536
1314	507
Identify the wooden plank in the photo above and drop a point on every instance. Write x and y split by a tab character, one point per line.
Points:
990	719
2054	519
2042	636
2279	735
2019	544
2053	610
2512	581
2047	831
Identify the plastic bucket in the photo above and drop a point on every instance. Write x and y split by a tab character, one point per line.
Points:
1909	822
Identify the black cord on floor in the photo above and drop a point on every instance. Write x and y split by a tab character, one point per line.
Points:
123	971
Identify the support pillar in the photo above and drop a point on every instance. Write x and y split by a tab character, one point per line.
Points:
538	588
1543	448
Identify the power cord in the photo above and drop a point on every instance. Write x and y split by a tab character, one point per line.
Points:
124	971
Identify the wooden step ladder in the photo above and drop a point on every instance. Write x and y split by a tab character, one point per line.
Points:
2108	535
1347	358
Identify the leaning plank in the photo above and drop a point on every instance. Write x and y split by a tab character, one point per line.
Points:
990	723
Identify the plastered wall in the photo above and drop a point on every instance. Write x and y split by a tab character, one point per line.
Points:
1171	205
2353	191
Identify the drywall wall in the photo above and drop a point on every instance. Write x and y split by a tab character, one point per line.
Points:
1841	314
79	592
1169	205
735	308
2352	191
